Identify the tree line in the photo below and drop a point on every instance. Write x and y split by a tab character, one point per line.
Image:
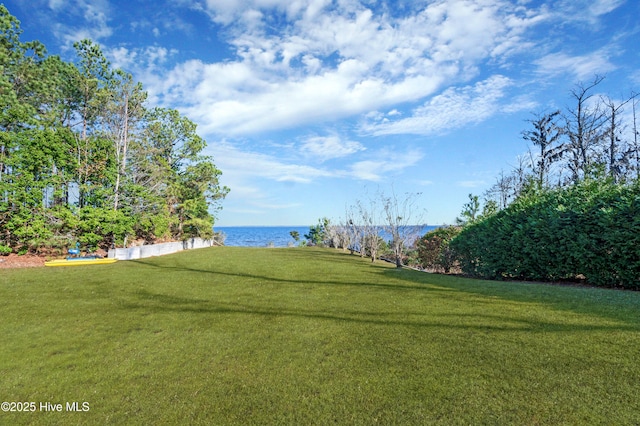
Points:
84	157
568	211
379	226
595	137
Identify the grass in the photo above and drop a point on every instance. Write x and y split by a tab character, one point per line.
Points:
311	336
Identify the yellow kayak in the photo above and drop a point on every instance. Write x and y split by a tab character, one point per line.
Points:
80	261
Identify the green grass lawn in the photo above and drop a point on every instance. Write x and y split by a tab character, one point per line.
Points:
311	336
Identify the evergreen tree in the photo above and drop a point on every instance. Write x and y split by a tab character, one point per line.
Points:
82	157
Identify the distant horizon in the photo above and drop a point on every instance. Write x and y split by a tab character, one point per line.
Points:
280	236
300	226
260	226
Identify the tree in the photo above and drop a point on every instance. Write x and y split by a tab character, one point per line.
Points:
342	236
616	156
502	191
402	221
86	97
54	115
124	108
635	149
18	63
354	230
318	233
584	128
83	159
198	192
470	211
545	135
27	144
369	229
168	144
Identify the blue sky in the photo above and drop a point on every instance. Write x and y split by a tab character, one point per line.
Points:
309	105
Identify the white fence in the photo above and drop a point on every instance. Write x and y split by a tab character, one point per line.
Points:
140	252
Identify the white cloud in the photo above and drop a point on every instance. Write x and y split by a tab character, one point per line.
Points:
231	98
585	10
325	148
520	103
454	108
236	162
140	60
472	183
121	57
56	4
247	199
384	163
240	165
602	7
92	17
343	62
228	11
580	66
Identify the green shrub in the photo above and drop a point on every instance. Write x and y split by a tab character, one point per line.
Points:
591	229
101	227
197	227
433	249
29	230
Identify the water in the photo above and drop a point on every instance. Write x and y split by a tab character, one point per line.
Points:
270	236
261	236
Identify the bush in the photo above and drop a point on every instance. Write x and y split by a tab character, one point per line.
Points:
102	227
591	229
197	227
434	251
29	230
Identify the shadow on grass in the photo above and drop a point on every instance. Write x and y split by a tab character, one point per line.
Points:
606	304
161	303
266	278
623	306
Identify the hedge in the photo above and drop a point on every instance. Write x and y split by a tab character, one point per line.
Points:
590	230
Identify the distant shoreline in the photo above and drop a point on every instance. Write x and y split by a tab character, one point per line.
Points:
271	236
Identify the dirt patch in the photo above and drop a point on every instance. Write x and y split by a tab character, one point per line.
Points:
24	261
